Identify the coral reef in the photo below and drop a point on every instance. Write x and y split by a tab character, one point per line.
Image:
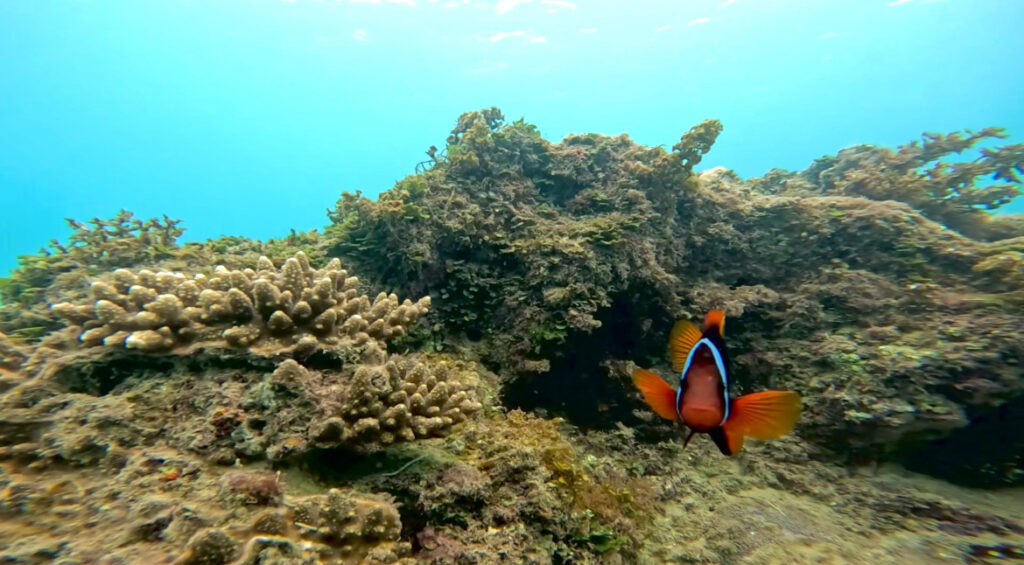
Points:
295	308
897	329
403	399
267	411
890	348
210	350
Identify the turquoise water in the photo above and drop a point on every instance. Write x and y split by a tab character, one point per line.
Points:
249	118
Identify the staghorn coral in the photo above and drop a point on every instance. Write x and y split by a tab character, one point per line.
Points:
295	308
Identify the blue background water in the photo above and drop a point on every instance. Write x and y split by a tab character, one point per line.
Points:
250	117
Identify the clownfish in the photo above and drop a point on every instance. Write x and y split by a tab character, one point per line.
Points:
702	400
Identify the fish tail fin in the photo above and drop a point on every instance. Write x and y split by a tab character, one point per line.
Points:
657	393
770	414
715	320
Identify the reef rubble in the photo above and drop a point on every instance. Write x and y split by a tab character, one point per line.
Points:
247	402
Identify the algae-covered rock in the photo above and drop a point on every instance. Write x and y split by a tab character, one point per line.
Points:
255	411
554	261
12	356
523	243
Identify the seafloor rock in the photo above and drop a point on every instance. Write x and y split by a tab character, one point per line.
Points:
155	505
266	310
77	409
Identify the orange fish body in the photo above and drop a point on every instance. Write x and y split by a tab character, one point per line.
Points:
702	400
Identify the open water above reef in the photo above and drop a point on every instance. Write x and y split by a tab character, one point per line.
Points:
270	108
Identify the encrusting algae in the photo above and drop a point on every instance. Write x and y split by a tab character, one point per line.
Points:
271	410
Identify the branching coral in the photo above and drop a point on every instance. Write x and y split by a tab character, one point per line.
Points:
954	193
104	244
93	247
407	398
63	272
292	308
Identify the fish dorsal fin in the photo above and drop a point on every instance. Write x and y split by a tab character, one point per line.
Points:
764	415
684	336
715	321
657	393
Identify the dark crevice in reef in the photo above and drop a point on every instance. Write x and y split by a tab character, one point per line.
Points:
217	363
987	453
345	467
101	377
321	361
580	387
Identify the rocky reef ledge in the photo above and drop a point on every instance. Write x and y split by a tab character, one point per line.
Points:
466	398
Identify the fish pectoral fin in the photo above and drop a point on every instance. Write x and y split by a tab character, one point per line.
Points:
764	415
657	393
728	441
684	336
